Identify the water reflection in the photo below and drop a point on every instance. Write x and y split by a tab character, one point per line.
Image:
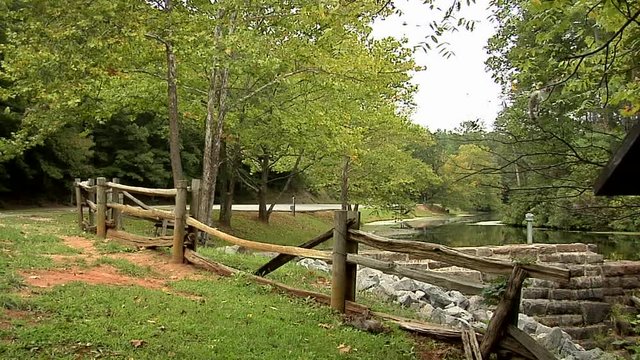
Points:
462	232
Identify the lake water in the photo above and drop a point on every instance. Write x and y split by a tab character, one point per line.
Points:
464	231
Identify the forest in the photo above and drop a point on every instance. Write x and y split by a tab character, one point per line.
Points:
260	99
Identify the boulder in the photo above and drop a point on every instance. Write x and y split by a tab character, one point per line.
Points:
405	284
458	312
425	310
367	278
459	299
313	264
407	298
438	297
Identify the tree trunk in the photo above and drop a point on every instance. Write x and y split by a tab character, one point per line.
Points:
285	187
344	188
227	187
263	214
214	124
172	95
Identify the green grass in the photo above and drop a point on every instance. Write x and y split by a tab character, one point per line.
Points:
283	228
227	318
126	267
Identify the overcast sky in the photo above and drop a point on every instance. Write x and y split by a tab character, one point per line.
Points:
450	90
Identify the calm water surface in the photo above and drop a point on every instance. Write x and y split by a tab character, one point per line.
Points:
464	232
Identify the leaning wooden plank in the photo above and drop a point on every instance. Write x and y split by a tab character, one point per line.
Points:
504	312
451	256
136	200
220	269
282	259
470	343
155	214
427	276
254	245
539	351
143	190
140	241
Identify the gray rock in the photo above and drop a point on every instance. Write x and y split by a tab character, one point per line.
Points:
407	298
423	286
405	284
441	317
458	312
542	329
552	340
232	249
459	299
480	315
594	354
527	324
312	264
437	297
425	311
367	278
476	302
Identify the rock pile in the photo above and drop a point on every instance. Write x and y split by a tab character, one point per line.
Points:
452	308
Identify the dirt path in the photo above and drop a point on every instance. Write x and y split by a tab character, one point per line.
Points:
163	270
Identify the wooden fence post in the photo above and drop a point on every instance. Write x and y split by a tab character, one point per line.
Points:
101	205
92	197
79	202
180	211
115	197
193	212
352	248
339	267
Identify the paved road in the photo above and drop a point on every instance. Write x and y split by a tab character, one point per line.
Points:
284	207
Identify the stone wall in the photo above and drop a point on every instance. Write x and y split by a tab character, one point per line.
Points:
581	307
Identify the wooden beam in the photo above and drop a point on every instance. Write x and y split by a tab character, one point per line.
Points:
282	259
451	256
504	312
153	214
136	200
143	190
78	192
539	351
470	343
339	257
427	276
259	246
101	207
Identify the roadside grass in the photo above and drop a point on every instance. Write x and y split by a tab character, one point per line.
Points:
368	215
231	318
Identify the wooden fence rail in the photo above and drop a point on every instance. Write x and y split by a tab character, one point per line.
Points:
451	256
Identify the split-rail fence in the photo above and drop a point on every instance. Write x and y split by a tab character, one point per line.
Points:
105	202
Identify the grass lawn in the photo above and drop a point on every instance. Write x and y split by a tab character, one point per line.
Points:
66	295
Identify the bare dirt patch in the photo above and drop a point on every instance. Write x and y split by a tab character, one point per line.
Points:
83	244
103	274
8	316
163	270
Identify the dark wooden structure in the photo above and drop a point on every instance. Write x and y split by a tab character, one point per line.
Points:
620	176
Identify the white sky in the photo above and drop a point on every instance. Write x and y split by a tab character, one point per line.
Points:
449	90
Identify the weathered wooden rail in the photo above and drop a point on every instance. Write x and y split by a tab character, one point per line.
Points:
105	202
